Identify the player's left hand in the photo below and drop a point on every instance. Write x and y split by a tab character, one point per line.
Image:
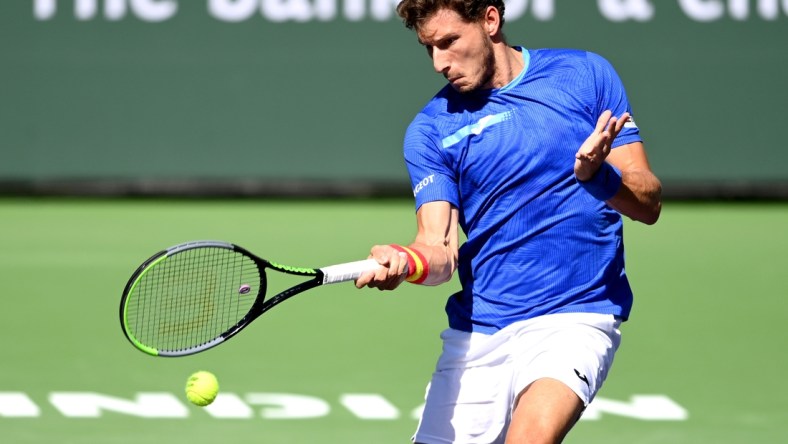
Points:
597	146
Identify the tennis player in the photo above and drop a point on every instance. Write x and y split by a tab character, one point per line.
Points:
535	155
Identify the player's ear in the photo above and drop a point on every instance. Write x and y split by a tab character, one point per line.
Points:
492	21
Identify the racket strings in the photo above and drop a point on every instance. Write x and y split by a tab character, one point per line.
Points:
192	297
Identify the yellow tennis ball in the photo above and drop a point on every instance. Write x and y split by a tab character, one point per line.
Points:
202	388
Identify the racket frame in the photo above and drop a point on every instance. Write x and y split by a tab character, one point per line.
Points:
326	275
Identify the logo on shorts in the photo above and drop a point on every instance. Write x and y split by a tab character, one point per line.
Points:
583	378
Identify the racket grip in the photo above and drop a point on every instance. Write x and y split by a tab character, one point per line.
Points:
348	271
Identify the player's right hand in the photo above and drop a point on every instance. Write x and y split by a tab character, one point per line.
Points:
392	272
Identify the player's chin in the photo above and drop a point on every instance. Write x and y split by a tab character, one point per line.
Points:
465	87
460	85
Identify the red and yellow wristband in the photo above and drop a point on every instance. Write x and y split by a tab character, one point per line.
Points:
418	267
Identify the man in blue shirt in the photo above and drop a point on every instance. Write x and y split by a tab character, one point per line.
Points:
535	155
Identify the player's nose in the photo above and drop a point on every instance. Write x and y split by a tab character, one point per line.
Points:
440	61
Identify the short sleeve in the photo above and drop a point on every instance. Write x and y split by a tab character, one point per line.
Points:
611	95
432	176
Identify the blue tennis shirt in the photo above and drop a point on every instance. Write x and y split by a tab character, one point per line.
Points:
537	243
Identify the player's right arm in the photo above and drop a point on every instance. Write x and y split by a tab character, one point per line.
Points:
437	241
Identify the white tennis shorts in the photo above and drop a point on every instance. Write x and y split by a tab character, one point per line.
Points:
478	376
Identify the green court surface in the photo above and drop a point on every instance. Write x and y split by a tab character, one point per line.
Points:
703	357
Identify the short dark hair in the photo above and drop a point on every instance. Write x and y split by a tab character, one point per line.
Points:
415	12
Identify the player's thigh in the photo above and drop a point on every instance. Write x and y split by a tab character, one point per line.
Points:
558	371
546	411
469	396
575	349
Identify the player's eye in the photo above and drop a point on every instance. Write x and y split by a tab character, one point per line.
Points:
447	42
429	50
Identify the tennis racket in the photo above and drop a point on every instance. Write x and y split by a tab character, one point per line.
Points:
196	295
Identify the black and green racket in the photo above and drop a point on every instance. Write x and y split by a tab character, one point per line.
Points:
196	295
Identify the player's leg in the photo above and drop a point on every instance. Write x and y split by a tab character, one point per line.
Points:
545	412
469	397
562	363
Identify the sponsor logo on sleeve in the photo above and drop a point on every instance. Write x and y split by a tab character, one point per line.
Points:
423	183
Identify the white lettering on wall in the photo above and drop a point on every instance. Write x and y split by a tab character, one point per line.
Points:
325	10
114	10
354	10
542	10
302	10
713	10
154	10
287	10
232	10
623	10
703	10
44	9
384	10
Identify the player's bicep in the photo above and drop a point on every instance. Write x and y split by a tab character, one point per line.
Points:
437	224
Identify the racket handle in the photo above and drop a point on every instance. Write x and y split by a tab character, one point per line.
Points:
348	271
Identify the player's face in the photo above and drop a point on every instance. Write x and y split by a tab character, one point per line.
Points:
459	50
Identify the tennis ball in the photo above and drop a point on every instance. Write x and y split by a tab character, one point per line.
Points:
201	388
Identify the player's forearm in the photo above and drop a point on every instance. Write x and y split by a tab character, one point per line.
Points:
441	261
437	241
640	196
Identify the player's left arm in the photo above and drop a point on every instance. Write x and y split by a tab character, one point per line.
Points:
620	176
640	195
